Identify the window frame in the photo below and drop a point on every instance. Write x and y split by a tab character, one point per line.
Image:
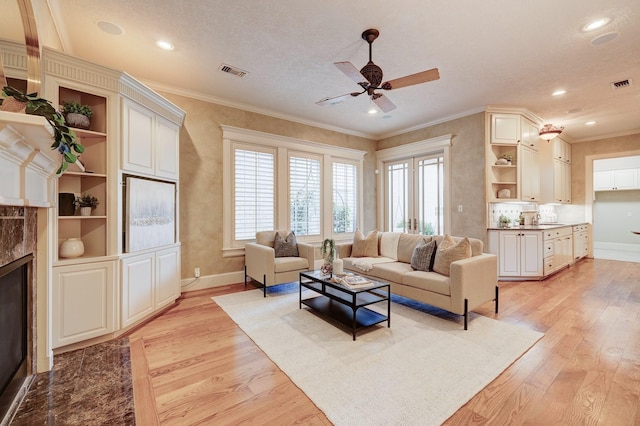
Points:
283	145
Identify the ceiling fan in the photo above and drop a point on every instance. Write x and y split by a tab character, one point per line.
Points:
370	77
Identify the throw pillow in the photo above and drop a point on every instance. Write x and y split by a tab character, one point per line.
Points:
286	247
365	247
448	251
422	258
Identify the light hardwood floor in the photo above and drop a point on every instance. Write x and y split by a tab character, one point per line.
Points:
193	365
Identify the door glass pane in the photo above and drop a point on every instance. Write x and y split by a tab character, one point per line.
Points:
430	196
397	188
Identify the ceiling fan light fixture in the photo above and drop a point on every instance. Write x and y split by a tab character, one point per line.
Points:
549	131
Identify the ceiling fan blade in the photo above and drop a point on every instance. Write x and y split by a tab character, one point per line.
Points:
383	103
409	80
350	71
334	100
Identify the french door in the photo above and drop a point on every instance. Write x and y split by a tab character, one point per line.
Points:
414	195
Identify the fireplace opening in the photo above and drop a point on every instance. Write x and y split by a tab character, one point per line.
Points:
14	330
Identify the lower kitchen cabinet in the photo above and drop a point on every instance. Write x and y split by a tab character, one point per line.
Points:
561	253
83	302
150	281
519	253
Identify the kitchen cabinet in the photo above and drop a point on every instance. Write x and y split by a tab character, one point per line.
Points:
614	180
580	241
519	253
84	302
150	281
529	174
555	172
561	253
515	136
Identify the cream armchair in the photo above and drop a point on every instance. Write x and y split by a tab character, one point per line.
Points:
261	263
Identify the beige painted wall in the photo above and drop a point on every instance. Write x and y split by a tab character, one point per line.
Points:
467	170
201	176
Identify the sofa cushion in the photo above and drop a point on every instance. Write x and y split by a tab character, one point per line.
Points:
407	243
286	264
476	245
285	247
423	256
365	247
429	281
389	244
390	271
449	251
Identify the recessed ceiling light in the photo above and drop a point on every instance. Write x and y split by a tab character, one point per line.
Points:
165	45
372	111
594	25
110	27
559	92
590	123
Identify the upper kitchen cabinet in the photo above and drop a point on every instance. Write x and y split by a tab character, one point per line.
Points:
512	134
555	171
615	180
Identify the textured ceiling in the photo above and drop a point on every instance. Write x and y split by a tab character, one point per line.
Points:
490	52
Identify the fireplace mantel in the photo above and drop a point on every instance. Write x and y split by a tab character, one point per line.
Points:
27	162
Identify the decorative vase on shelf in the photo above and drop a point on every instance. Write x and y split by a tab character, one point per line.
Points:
85	211
71	247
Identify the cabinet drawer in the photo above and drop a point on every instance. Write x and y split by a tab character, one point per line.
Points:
558	232
548	248
549	265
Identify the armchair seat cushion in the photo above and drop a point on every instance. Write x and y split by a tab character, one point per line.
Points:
286	264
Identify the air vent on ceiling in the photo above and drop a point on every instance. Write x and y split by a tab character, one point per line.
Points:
233	70
621	84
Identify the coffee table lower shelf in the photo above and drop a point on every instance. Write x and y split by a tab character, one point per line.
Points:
343	314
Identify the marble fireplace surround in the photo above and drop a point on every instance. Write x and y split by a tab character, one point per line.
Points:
18	238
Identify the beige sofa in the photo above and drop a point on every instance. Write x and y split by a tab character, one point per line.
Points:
262	264
472	281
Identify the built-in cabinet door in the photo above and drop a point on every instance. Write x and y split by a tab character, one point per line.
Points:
138	277
167	276
611	180
561	182
166	148
529	174
137	137
505	129
509	253
83	302
530	254
530	134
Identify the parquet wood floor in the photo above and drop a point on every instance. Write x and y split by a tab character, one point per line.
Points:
193	365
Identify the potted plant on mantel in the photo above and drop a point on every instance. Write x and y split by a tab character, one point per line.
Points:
64	138
77	115
86	203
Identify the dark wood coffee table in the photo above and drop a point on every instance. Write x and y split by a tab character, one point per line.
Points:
346	306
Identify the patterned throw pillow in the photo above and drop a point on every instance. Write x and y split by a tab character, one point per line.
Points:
423	254
365	247
286	247
448	251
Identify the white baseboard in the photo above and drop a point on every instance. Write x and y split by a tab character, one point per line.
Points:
210	281
616	246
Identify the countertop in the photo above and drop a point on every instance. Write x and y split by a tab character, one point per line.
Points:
542	227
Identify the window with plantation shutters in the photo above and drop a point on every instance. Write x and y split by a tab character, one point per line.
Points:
304	195
274	182
345	197
254	193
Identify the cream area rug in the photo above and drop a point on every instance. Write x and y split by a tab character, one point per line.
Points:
419	371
